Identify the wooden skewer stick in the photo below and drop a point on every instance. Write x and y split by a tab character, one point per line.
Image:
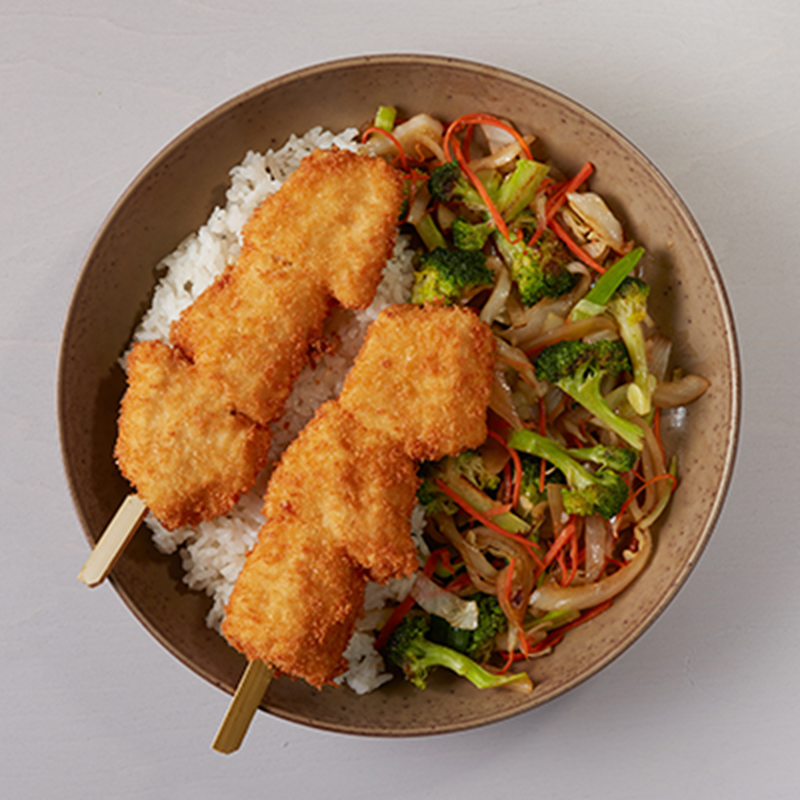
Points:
114	540
249	693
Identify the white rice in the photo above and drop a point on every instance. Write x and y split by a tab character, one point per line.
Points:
214	552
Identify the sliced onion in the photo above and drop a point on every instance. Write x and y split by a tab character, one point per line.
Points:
550	596
659	349
535	316
501	400
499	158
592	209
419	205
480	571
671	394
434	599
522	364
596	533
420	129
498	138
497	299
577	329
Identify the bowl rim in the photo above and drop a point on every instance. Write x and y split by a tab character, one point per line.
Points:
398	59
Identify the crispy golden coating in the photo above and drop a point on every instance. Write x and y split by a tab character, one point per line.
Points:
335	217
180	443
338	505
429	395
337	512
251	330
325	236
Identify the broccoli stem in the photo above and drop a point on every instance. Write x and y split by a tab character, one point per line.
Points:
597	299
537	445
429	655
481	501
517	191
587	393
430	234
385	117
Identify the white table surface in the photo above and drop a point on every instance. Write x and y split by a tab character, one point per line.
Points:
705	705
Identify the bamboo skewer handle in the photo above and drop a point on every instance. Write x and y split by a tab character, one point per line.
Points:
114	540
249	693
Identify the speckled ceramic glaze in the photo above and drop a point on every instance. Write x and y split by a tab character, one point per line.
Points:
174	195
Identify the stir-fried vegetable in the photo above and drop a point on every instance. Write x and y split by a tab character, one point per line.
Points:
540	529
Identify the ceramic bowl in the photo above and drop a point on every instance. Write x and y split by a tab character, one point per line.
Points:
173	196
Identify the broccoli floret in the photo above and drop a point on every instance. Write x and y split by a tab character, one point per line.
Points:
602	492
433	499
409	649
443	276
620	459
578	369
448	184
511	194
628	306
471	465
471	235
529	493
539	270
477	644
450	471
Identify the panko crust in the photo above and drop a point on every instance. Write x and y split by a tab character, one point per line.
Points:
251	330
432	396
354	482
181	445
339	503
343	210
324	237
337	511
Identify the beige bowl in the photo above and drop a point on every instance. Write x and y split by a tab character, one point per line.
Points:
173	196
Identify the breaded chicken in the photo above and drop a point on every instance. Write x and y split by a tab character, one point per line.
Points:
192	428
336	217
337	512
181	444
431	396
338	505
251	331
324	236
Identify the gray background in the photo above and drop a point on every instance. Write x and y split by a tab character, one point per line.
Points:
706	704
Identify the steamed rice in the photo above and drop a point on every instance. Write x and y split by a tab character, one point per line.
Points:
214	552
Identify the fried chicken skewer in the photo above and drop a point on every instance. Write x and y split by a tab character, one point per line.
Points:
193	427
338	505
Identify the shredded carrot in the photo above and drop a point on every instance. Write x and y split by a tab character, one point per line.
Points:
460	151
517	467
459	582
573	557
482	518
506	589
498	510
561	540
393	139
479	118
559	198
553	638
575	248
662	477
